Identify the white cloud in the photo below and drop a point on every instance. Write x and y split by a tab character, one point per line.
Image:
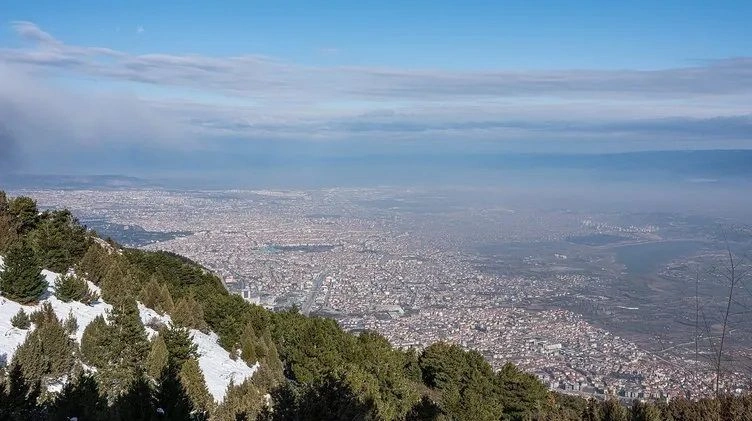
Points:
193	100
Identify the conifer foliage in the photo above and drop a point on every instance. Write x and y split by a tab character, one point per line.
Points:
156	296
118	284
194	384
70	287
21	320
47	354
156	362
96	343
21	280
8	234
58	240
94	263
189	314
128	349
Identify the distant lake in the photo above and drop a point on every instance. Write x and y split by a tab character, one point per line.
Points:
130	235
647	258
596	239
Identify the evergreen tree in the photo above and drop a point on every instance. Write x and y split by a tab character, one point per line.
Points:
21	320
180	347
18	400
79	399
156	296
521	393
194	384
156	363
272	358
613	410
24	212
96	343
22	280
242	402
70	287
189	314
8	233
3	202
118	284
94	263
47	353
593	411
71	323
129	347
248	345
645	412
465	380
171	397
135	403
58	240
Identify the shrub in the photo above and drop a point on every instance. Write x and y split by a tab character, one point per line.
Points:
71	324
21	320
22	280
73	288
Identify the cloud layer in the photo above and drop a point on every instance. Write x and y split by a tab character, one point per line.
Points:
54	93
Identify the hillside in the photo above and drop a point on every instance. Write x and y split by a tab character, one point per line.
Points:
219	369
157	336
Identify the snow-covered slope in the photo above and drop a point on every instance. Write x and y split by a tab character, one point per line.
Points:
219	369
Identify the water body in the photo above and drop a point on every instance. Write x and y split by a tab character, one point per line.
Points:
130	235
647	258
596	239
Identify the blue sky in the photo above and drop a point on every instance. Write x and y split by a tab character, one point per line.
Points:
350	77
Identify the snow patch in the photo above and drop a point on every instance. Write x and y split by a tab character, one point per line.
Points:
219	369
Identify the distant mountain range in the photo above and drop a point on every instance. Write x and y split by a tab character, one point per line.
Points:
72	182
400	168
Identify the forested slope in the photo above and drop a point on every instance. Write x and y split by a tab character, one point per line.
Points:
144	353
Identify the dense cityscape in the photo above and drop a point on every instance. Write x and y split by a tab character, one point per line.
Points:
371	259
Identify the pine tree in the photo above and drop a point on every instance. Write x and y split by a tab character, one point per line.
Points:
94	263
129	347
19	400
8	234
24	212
22	280
48	352
156	362
135	403
194	384
70	287
189	314
156	297
45	314
21	320
165	299
117	284
96	343
171	397
180	347
79	399
248	344
614	411
71	323
243	401
58	240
